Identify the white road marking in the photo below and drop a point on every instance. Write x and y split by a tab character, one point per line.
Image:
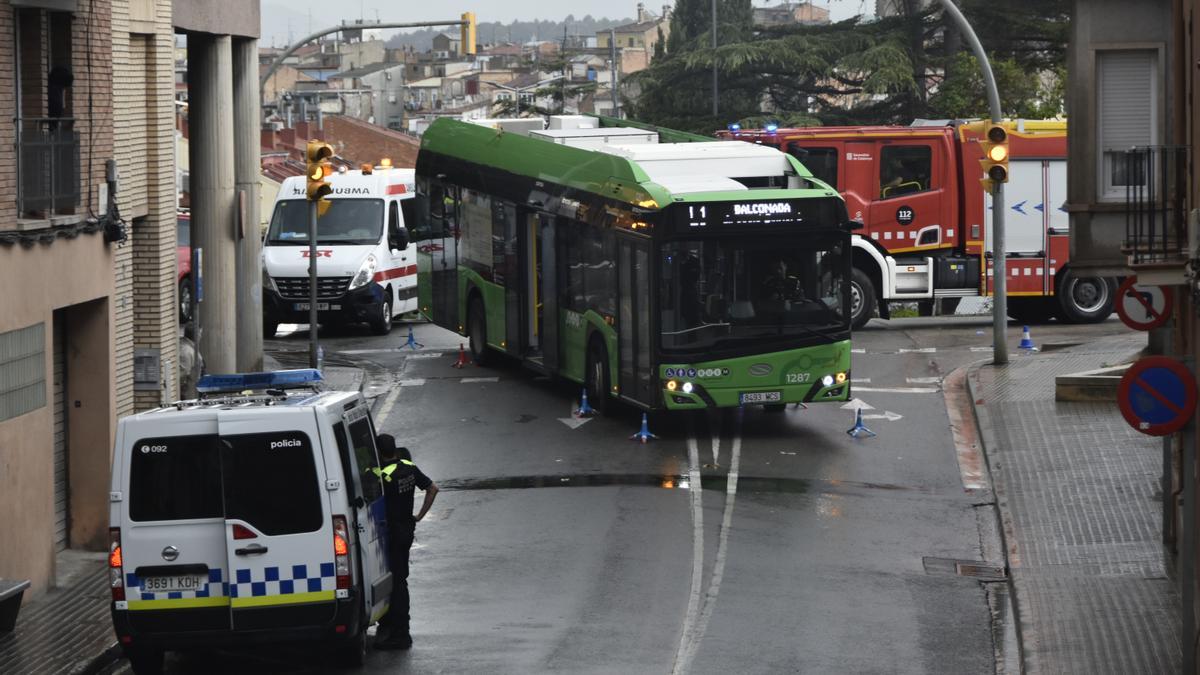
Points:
860	380
411	383
918	350
924	380
424	355
857	404
899	390
981	349
574	422
693	607
858	351
887	415
386	408
477	380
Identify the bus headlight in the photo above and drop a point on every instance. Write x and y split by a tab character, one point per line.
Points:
827	381
365	273
687	387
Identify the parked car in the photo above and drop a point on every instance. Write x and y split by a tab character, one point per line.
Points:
183	265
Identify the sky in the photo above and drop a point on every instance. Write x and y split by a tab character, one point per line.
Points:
299	15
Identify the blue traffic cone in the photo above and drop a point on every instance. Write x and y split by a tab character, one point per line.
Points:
585	408
644	434
860	430
1026	340
412	341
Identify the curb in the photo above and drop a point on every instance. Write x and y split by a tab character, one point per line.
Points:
104	660
987	442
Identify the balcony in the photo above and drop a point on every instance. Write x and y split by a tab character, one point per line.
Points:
1156	211
48	168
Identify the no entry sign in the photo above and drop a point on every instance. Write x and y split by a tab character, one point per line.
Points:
1157	395
1143	307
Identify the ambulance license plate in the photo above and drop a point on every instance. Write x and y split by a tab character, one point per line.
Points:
321	306
183	582
762	397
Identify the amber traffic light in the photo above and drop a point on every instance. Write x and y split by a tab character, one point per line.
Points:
995	156
318	170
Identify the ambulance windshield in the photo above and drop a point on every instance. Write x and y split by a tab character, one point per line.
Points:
345	222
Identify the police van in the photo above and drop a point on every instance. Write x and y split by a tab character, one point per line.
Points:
250	515
366	265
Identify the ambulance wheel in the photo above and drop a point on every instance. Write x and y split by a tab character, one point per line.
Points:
270	328
862	298
1085	299
145	661
382	325
596	378
1031	310
477	324
352	653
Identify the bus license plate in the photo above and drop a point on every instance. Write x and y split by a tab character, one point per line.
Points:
321	306
762	397
185	582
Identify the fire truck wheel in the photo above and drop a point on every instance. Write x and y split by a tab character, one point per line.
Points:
1031	310
1085	299
862	298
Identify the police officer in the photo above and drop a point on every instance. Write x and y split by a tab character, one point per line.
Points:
400	479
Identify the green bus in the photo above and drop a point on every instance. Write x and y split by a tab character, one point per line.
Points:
667	270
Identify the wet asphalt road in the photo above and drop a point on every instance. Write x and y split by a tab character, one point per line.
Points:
564	547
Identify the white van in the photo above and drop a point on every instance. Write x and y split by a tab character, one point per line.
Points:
245	518
366	265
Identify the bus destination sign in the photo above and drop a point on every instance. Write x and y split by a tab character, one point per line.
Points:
702	216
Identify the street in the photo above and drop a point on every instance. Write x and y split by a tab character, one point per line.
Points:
559	545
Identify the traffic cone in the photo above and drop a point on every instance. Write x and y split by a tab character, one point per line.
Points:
1026	340
412	341
585	408
462	361
860	430
644	434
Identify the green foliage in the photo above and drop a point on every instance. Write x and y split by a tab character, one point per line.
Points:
1022	94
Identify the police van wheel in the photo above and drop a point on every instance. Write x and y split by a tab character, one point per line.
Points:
382	325
477	324
352	652
145	661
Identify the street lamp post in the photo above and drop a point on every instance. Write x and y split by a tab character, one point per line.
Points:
999	246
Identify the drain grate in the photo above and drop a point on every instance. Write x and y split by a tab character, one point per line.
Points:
976	569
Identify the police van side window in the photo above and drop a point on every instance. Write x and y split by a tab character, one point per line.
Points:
270	481
175	478
362	438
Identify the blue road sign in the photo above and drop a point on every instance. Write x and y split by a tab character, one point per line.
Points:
1157	395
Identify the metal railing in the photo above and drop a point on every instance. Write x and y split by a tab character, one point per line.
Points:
48	168
1156	208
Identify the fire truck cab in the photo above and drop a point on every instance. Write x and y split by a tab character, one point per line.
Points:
927	220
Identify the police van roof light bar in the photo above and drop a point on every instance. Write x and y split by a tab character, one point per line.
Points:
279	379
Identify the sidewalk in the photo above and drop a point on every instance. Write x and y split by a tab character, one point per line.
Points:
1080	506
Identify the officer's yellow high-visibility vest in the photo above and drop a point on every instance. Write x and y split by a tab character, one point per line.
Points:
386	472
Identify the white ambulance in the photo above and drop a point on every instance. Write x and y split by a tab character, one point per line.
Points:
366	263
251	515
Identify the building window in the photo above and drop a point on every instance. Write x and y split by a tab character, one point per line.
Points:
1127	113
22	371
630	42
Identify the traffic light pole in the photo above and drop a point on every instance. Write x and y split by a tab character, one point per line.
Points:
999	247
313	347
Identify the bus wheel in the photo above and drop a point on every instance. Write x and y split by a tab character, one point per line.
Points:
1085	299
382	325
477	324
596	378
862	298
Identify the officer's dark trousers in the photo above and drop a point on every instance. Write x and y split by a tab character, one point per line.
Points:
400	542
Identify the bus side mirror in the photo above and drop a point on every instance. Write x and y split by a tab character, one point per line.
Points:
400	238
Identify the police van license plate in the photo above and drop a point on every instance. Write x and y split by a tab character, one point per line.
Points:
321	306
183	582
762	397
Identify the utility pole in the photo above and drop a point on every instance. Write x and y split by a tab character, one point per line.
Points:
612	46
714	46
999	246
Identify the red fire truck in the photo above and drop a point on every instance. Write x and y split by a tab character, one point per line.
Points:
927	234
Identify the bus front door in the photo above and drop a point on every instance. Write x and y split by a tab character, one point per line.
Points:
540	311
636	374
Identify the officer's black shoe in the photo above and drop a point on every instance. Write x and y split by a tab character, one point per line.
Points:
395	642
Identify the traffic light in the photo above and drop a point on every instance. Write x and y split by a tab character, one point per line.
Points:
319	168
467	36
995	156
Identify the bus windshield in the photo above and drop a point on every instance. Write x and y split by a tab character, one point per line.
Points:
346	222
718	292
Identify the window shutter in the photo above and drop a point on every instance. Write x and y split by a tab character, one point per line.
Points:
1126	99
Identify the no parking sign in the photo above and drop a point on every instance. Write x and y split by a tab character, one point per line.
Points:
1157	395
